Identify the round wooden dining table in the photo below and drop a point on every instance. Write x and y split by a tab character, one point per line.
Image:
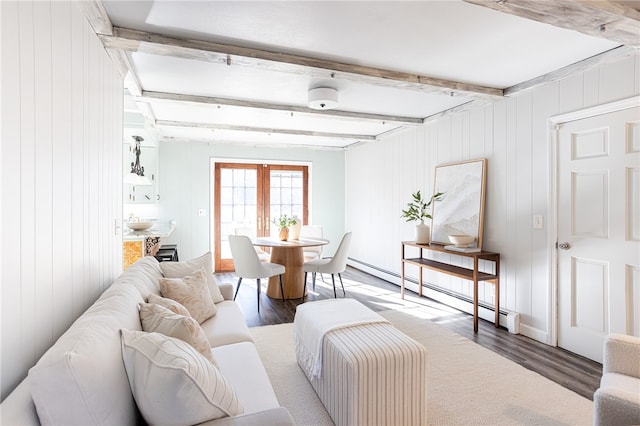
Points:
290	254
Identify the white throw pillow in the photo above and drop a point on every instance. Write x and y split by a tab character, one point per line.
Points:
181	269
172	383
161	320
192	292
170	304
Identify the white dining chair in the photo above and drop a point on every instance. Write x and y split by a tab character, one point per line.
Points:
335	265
311	232
251	233
248	265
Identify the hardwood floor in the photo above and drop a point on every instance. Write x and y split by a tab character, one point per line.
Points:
565	368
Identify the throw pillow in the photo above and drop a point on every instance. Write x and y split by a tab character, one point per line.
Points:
180	269
172	383
160	319
170	304
192	292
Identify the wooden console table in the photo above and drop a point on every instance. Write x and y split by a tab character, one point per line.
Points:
457	271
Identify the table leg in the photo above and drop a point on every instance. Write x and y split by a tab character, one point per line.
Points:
475	294
293	278
402	274
497	289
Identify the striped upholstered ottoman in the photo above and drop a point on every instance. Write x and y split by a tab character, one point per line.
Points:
369	372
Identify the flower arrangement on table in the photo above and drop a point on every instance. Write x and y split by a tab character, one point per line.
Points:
418	210
283	223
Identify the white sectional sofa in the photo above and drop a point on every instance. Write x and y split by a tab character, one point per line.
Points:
82	379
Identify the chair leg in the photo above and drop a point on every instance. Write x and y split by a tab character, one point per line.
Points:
304	289
344	293
333	279
237	288
313	278
281	288
258	282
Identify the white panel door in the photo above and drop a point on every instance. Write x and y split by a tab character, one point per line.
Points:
598	230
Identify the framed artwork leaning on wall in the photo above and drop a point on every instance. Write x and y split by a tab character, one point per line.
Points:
460	211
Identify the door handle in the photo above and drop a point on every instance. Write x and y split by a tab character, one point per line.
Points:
564	246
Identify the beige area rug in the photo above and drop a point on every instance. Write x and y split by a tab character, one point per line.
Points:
467	384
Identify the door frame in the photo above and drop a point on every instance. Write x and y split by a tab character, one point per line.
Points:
250	161
554	123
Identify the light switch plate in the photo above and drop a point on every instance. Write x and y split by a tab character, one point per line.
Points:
538	221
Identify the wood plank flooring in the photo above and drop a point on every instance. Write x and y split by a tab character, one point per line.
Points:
574	372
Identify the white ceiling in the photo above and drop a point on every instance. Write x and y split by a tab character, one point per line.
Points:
455	41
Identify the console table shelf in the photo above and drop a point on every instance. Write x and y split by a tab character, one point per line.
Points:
473	275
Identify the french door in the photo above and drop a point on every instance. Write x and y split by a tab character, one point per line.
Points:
247	197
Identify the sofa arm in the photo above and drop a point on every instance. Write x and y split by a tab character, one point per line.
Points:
274	417
621	355
615	407
226	289
18	407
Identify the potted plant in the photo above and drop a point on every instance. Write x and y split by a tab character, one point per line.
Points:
283	223
418	210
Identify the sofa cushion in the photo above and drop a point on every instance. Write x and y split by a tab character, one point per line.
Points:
242	367
172	383
161	320
144	276
170	304
181	269
192	292
81	379
227	326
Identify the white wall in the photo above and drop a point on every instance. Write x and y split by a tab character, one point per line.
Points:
61	177
513	135
185	182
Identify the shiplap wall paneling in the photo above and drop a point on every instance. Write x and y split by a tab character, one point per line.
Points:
513	135
617	80
495	219
545	104
509	246
42	162
522	196
61	167
11	172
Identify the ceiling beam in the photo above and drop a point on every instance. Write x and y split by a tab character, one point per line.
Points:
97	16
262	130
140	41
347	115
617	21
602	58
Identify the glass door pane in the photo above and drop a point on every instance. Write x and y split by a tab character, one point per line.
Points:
238	205
236	201
285	195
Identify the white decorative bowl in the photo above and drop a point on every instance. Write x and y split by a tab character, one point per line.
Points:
461	240
139	226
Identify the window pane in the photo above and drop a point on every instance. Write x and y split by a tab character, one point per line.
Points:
286	194
238	177
226	177
238	199
226	214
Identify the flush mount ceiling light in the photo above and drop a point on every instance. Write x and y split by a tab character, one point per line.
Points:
323	98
